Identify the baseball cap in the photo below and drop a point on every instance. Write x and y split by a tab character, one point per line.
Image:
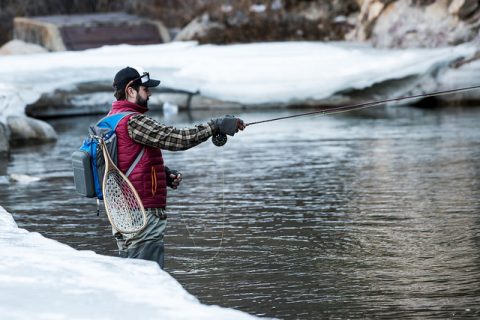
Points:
133	76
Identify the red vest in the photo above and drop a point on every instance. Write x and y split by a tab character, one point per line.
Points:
148	177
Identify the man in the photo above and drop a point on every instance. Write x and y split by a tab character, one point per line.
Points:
140	139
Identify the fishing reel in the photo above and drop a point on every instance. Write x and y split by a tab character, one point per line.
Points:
219	139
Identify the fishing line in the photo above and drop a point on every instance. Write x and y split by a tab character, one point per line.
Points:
196	261
220	139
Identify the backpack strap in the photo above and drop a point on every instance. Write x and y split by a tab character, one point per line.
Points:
114	120
135	162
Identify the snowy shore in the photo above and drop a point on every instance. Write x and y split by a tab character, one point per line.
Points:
249	74
43	279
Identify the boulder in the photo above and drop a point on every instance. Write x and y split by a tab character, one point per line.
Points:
84	31
4	145
42	33
199	27
96	97
25	130
402	24
463	8
20	47
370	10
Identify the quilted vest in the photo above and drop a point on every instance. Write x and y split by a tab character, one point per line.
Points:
148	177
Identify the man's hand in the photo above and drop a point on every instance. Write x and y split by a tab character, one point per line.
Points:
176	179
229	125
173	178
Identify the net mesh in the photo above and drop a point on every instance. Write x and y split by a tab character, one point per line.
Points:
123	206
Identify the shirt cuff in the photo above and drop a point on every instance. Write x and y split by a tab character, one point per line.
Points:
213	127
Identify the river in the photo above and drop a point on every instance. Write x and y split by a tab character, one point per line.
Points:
367	214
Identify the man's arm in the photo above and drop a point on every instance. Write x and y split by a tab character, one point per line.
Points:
147	131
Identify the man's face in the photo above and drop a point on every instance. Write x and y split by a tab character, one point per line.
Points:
142	96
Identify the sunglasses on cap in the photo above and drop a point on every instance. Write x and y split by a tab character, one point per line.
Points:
145	77
144	80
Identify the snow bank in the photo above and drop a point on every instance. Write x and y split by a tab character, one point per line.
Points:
258	73
43	279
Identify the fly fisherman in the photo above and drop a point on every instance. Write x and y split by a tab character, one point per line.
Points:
138	133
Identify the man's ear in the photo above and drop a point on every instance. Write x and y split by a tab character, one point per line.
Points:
130	92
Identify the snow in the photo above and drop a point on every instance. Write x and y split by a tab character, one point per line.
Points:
23	178
43	279
261	73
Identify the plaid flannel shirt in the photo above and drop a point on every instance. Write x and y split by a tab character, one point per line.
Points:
147	131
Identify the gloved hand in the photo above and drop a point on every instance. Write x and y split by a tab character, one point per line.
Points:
173	178
229	125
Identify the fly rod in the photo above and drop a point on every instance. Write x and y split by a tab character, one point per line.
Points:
220	139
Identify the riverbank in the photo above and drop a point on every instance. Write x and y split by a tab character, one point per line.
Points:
392	23
249	76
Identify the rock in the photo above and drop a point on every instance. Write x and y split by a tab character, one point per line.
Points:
403	26
25	130
79	32
369	12
96	98
463	8
41	33
4	144
10	9
21	47
199	27
81	99
247	21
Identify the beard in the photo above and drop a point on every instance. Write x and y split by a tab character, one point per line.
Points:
142	102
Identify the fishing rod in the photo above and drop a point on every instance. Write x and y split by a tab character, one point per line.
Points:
220	139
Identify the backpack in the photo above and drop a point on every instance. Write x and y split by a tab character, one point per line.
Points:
88	162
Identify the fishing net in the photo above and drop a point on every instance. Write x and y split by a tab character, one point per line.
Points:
122	204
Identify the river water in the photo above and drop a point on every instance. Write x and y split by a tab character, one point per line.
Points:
371	214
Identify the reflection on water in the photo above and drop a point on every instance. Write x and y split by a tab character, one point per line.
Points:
359	215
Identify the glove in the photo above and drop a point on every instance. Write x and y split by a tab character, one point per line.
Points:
173	178
229	125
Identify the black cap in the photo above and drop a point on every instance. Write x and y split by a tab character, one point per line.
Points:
135	74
